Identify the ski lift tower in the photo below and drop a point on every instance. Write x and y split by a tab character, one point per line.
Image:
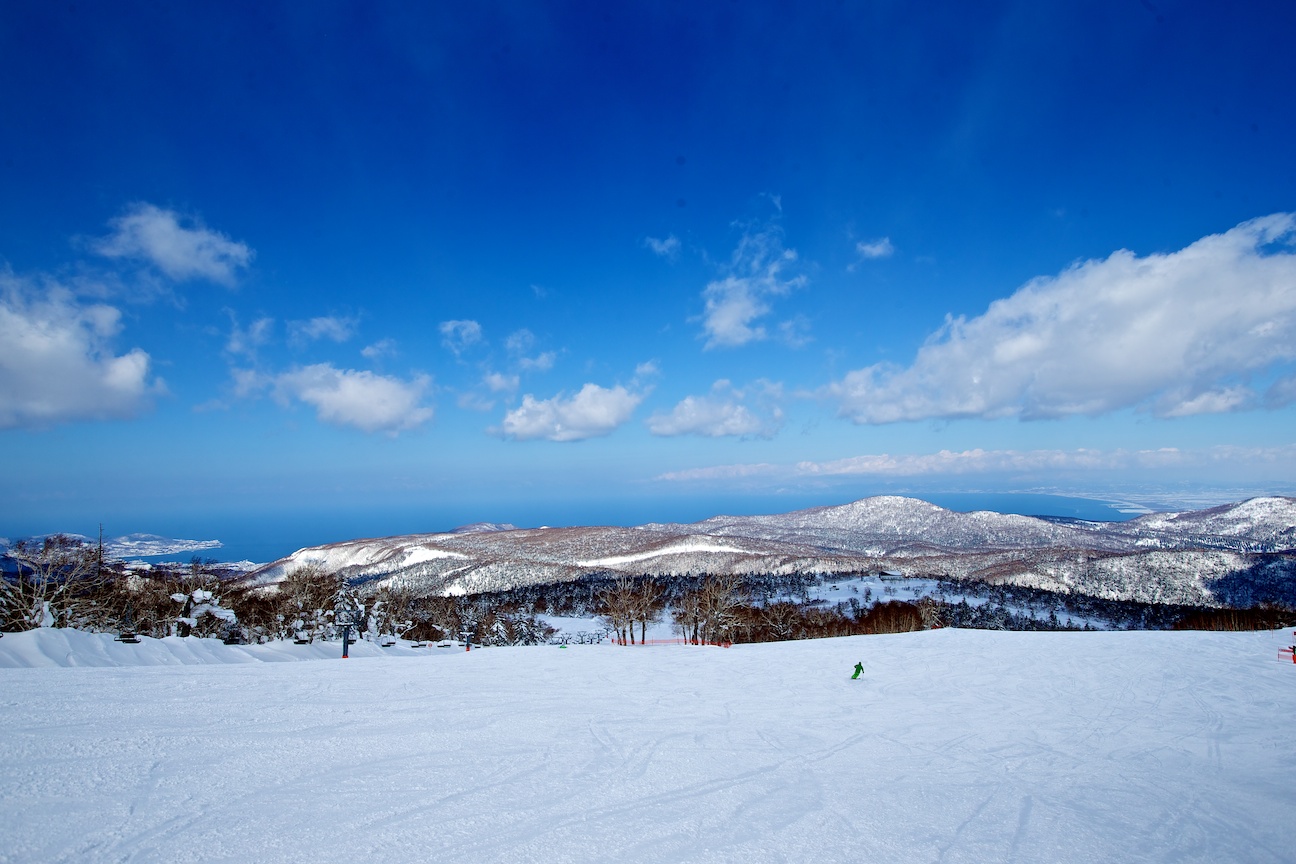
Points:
346	617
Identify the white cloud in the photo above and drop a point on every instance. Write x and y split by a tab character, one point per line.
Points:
347	397
58	364
668	248
978	461
724	472
459	336
498	382
1275	461
880	248
249	382
1172	332
325	327
722	413
593	412
542	362
245	342
735	303
1218	401
181	251
522	341
379	349
795	332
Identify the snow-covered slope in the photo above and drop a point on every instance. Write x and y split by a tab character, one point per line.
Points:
1254	525
953	746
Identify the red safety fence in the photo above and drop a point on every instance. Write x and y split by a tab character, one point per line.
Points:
651	642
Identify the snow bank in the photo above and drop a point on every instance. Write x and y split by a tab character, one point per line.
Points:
59	647
954	746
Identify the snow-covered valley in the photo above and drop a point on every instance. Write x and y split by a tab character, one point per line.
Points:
951	746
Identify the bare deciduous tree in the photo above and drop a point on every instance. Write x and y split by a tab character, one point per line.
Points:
710	612
648	601
616	604
54	577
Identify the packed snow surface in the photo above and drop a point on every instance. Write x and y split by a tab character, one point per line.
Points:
952	746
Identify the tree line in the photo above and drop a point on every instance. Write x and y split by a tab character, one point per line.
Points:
62	582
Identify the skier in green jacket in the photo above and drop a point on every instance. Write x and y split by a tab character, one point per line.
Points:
859	670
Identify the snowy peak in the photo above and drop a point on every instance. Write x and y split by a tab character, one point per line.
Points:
891	524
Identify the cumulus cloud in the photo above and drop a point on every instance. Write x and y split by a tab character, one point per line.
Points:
1175	333
180	248
459	336
756	274
880	248
668	248
364	400
59	365
327	327
593	412
722	413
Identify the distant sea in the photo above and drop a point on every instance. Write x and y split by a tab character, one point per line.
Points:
266	537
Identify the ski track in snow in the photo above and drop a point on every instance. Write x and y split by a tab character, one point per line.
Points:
954	746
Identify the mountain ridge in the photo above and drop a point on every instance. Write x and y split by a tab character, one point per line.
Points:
1198	548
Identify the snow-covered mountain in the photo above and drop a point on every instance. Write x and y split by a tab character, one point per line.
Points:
136	545
1167	557
1254	525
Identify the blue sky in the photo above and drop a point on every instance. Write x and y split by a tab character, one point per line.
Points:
576	262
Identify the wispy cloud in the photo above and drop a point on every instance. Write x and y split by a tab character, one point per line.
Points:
756	273
360	399
180	248
497	382
1045	463
722	413
871	249
244	342
667	248
378	350
1175	333
59	365
328	327
593	412
459	336
520	343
